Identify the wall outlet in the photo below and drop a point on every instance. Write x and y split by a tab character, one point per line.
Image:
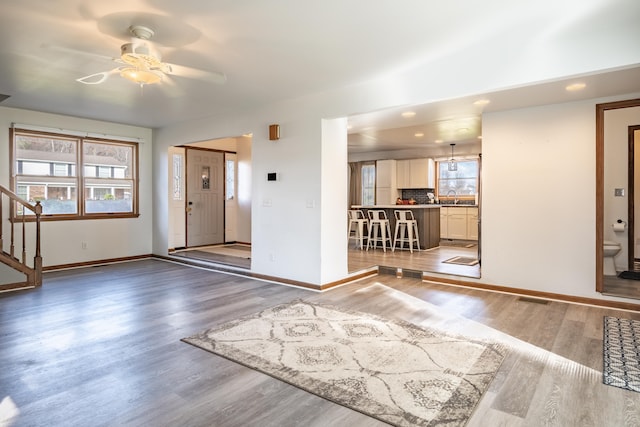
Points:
272	257
618	192
84	245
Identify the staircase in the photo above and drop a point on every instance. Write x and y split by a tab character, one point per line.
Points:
16	217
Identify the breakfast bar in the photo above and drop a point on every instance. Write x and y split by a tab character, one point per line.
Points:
428	217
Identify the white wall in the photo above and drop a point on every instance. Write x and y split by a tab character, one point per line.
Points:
333	194
108	238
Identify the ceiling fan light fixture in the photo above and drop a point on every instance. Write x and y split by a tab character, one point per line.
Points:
141	76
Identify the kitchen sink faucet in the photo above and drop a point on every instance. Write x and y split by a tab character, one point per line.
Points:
455	196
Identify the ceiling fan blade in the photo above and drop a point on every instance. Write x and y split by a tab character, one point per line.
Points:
182	71
78	52
97	78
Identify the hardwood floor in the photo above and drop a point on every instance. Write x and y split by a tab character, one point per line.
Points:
100	346
625	288
430	260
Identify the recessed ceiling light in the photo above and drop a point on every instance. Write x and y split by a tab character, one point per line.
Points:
481	102
438	141
480	137
418	134
408	114
575	86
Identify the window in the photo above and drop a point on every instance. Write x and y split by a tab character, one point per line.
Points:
369	184
230	179
178	160
46	169
461	183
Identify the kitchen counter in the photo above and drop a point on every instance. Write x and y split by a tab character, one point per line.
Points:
430	206
428	218
426	206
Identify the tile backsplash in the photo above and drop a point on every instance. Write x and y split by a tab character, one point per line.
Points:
420	196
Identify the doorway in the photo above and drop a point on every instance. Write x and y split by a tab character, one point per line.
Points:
614	121
633	263
229	178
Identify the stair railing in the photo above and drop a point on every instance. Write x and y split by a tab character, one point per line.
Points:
17	219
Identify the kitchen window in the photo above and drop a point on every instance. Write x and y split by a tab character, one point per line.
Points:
75	177
461	183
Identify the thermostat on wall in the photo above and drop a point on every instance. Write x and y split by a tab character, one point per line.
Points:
272	176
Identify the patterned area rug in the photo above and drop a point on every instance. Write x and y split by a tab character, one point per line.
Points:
391	370
462	260
621	353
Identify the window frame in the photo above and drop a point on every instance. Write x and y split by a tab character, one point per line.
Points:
465	197
79	177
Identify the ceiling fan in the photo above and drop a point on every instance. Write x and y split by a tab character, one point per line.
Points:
142	63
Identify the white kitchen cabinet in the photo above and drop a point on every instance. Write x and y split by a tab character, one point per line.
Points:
403	173
416	173
472	223
459	223
386	182
444	230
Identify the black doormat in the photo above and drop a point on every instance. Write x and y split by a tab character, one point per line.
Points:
621	353
633	275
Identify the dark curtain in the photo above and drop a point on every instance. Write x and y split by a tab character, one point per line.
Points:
355	183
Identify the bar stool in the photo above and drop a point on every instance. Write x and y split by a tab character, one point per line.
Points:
357	219
379	229
406	230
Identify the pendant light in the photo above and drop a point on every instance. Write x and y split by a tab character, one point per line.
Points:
453	165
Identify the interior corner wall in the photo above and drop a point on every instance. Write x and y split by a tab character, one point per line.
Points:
62	241
285	233
333	195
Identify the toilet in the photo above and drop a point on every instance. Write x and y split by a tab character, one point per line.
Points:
611	249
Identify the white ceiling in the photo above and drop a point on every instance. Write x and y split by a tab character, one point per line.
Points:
282	49
459	120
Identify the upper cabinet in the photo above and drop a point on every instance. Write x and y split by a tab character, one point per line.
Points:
416	173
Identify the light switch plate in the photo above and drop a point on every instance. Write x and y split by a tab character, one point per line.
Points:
619	192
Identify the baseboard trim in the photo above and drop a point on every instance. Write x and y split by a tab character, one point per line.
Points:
12	287
241	272
349	279
531	293
94	263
